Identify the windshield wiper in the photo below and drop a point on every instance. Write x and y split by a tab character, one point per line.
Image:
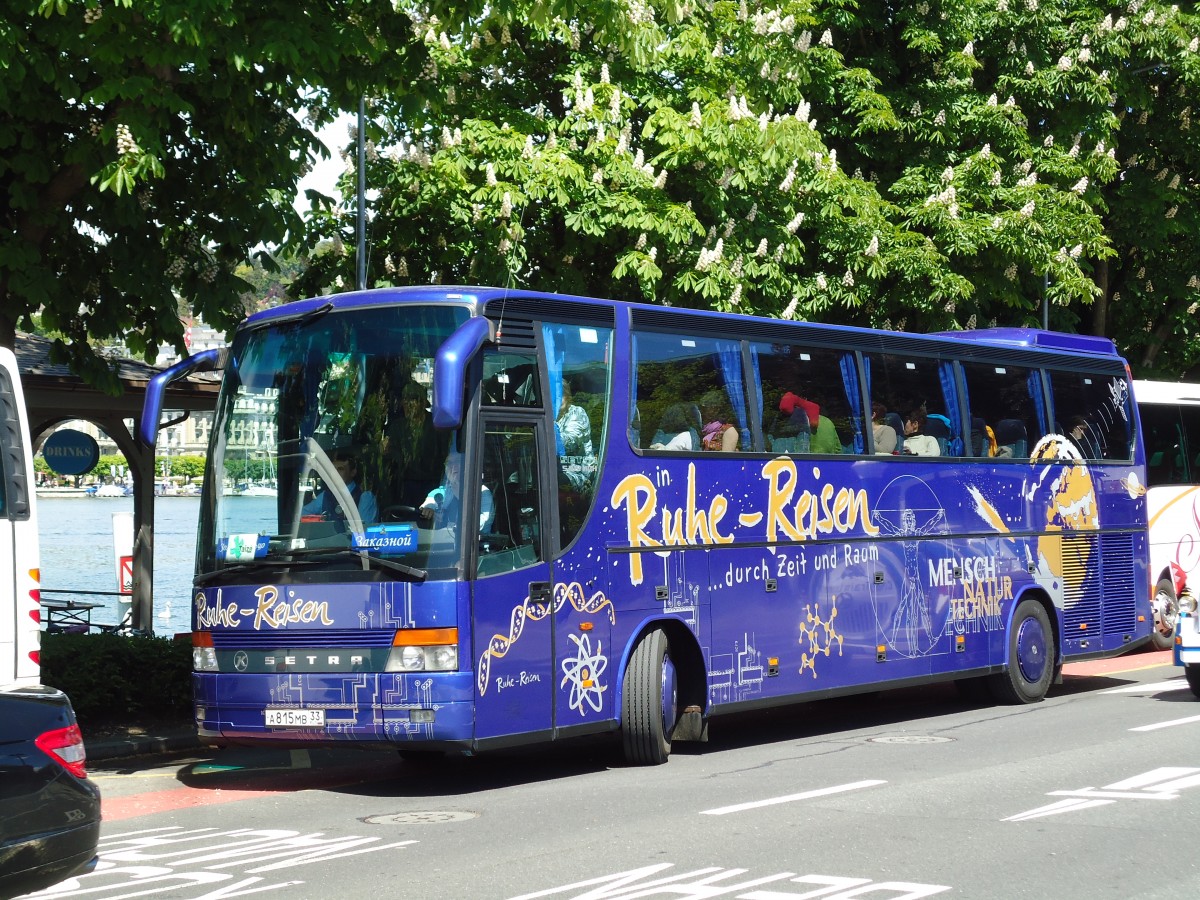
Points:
309	556
316	554
314	314
266	565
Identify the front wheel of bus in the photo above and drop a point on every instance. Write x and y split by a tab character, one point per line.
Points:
1030	657
1166	612
1191	671
649	701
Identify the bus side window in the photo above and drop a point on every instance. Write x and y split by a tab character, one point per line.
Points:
510	475
676	375
1103	402
810	400
1003	401
906	383
510	379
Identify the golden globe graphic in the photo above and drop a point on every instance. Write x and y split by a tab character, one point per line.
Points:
1059	486
1068	495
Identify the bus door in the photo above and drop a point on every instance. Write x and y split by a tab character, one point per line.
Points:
512	594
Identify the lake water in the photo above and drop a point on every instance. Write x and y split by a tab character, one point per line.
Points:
76	537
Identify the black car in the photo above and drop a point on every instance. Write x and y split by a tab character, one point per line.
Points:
49	810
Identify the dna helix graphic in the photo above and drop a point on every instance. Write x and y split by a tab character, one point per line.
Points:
529	611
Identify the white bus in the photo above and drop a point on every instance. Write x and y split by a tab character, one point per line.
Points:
19	604
50	814
1170	417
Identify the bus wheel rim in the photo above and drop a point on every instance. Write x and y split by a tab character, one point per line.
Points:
668	696
1031	649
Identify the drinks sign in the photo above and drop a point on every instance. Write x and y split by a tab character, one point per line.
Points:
70	452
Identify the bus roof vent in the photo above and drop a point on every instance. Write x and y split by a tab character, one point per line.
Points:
1033	337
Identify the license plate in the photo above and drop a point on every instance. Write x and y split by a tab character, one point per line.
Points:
295	718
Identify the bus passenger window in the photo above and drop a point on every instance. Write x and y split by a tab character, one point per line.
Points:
809	400
687	372
1003	403
1099	406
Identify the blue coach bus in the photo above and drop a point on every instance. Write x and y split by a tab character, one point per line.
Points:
505	517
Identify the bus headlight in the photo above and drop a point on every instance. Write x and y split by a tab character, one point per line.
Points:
1187	602
424	650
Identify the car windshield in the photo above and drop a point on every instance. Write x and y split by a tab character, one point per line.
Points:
323	439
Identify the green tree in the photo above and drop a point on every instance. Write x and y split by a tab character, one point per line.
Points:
930	165
188	465
147	149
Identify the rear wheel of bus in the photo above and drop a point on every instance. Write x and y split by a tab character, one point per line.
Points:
649	701
1031	655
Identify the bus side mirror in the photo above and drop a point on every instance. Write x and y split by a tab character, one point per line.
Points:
450	369
204	361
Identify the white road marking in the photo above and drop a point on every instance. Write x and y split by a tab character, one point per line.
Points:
1173	684
1157	725
1157	784
807	795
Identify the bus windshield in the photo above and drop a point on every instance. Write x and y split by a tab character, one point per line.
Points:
324	452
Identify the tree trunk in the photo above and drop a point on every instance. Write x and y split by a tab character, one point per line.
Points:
1100	307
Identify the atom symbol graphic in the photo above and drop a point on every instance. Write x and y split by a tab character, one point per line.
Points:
583	671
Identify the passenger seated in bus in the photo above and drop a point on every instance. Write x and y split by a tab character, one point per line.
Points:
1079	431
791	431
1011	439
884	434
824	435
938	427
916	442
717	434
674	432
442	506
983	439
325	504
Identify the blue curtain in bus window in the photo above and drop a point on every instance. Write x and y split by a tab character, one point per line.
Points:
730	355
756	385
953	413
1039	401
853	397
553	338
635	417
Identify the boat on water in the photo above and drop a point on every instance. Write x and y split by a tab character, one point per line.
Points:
110	490
258	490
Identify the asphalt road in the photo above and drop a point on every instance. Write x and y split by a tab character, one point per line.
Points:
1093	793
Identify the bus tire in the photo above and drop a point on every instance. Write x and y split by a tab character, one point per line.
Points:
1167	606
1031	655
1191	671
649	701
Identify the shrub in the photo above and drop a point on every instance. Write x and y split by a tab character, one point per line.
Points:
112	679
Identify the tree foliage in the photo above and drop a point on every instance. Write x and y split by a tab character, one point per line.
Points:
148	148
929	165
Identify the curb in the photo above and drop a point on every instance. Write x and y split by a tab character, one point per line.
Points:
140	745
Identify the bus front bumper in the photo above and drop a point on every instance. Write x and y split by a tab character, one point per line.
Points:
1187	639
432	709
